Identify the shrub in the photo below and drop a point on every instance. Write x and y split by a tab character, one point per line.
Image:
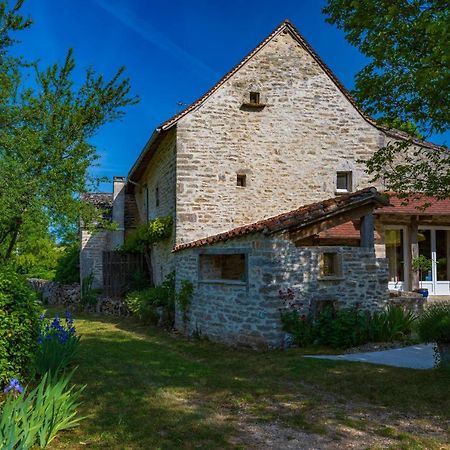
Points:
19	325
58	345
434	324
155	230
36	418
348	327
145	303
300	327
392	324
68	266
343	328
184	298
89	295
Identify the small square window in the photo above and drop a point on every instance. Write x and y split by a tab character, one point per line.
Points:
227	267
241	180
330	265
344	182
254	98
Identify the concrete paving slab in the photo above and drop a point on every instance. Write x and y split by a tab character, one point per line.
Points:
414	357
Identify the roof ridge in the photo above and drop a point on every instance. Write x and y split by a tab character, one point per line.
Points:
172	120
285	24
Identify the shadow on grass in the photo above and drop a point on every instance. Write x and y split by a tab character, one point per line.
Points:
149	389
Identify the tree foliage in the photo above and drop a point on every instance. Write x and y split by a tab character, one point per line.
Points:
46	128
404	84
408	46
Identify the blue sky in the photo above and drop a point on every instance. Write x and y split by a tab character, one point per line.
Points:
173	51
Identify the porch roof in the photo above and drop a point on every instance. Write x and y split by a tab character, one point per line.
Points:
414	205
299	218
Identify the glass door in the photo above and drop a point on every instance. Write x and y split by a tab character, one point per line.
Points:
394	239
434	243
442	285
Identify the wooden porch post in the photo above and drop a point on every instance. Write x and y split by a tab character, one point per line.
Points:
414	251
367	230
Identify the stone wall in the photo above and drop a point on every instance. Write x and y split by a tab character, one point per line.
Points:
91	255
69	296
290	150
249	313
53	293
160	174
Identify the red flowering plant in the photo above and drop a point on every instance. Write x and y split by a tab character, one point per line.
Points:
294	320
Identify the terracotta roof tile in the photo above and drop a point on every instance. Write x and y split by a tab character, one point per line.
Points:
347	230
296	219
414	206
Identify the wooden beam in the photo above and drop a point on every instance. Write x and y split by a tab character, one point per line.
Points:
322	225
367	230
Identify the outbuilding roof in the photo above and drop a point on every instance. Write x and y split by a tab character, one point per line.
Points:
103	201
298	218
416	204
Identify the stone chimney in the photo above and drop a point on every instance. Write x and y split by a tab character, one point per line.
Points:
118	211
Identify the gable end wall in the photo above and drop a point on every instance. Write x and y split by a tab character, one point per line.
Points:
290	150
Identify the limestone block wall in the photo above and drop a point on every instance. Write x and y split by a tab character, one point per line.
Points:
249	314
290	150
159	181
91	255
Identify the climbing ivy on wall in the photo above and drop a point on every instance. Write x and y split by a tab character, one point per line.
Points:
145	235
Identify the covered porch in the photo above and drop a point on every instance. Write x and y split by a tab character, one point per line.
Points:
407	231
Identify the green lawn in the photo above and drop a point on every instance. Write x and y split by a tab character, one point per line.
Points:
147	389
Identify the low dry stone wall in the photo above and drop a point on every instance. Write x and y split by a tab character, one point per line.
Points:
53	293
409	301
69	296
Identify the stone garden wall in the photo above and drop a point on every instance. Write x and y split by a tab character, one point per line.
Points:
69	296
280	275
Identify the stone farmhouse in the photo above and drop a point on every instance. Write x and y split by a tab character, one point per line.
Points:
270	201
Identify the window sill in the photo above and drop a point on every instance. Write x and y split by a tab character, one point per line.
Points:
255	106
332	278
342	191
229	282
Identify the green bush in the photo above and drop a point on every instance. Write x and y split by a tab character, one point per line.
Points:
36	418
155	230
300	327
68	265
144	303
343	328
19	325
434	324
348	327
89	295
392	324
184	298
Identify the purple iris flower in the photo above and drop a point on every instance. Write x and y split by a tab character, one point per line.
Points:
13	385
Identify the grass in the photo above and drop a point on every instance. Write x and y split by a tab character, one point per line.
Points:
148	389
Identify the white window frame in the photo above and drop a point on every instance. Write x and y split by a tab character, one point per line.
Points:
349	177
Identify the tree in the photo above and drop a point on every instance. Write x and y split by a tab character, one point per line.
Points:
45	136
404	85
